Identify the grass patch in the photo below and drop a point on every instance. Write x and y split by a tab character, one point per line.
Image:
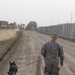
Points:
5	42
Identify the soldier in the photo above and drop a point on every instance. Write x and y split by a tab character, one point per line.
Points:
53	55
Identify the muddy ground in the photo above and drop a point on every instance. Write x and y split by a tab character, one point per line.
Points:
27	50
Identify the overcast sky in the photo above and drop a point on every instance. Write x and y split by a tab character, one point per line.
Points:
44	12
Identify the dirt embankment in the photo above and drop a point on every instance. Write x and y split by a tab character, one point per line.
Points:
7	40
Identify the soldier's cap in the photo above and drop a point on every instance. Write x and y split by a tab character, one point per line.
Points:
54	34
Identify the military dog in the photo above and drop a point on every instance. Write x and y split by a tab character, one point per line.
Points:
13	68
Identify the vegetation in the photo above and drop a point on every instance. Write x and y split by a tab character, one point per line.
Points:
21	26
32	25
5	42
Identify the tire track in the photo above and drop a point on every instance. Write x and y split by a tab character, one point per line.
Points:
38	70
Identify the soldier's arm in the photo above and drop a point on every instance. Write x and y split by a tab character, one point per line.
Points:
61	54
43	50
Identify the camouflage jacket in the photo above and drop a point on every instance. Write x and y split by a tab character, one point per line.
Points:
52	52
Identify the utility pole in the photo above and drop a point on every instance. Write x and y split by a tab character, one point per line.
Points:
71	16
58	20
72	26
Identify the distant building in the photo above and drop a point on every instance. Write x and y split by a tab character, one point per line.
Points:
3	24
12	26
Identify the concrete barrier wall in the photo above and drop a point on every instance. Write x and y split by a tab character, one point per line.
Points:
63	30
7	33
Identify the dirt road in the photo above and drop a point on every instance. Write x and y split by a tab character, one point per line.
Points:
27	50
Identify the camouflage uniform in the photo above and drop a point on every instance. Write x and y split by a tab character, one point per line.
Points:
52	52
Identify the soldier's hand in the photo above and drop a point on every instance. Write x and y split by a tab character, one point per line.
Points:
61	63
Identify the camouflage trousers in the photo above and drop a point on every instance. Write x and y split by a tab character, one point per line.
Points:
51	70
